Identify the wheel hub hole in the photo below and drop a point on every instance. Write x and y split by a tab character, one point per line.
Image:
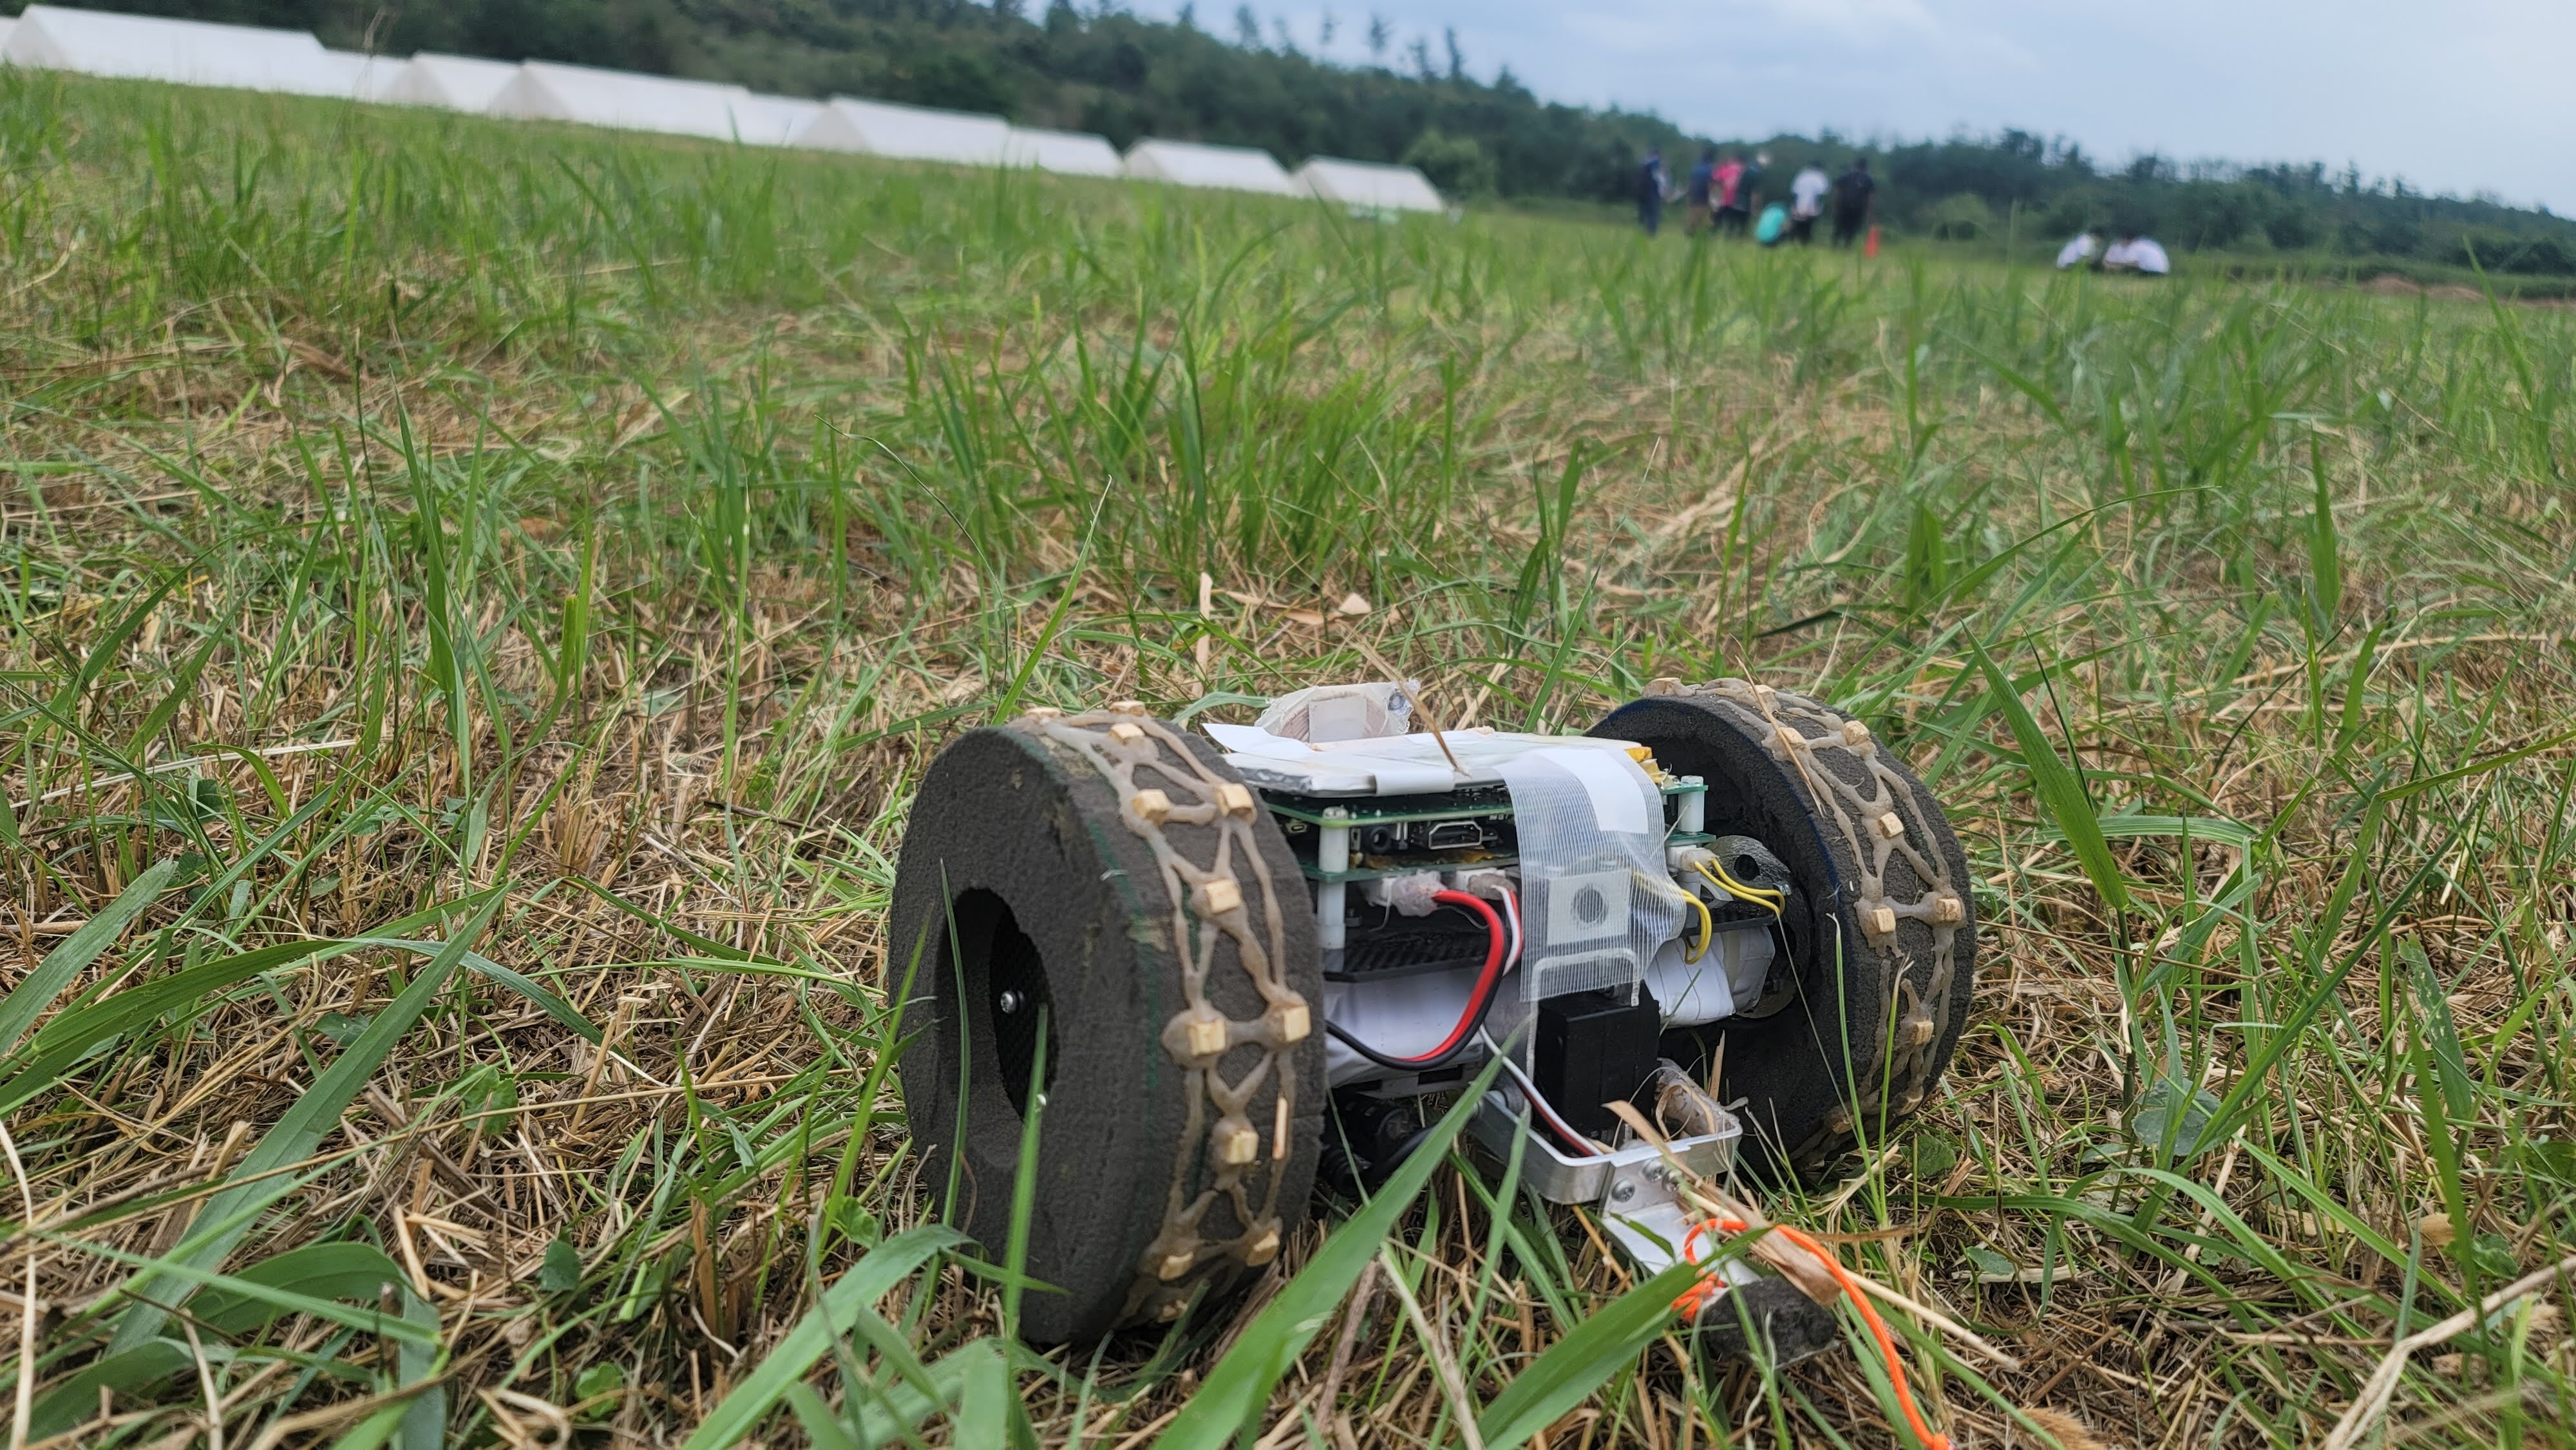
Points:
1004	983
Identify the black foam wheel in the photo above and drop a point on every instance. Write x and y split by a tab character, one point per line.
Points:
1767	1321
1113	874
1881	933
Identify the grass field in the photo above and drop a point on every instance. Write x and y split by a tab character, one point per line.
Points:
478	598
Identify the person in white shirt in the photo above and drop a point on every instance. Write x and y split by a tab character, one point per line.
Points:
2078	252
2137	254
1807	202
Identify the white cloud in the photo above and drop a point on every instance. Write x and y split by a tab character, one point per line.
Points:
2461	96
1865	22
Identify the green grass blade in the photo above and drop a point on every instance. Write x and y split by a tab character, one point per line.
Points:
822	1428
271	1289
2059	790
2135	827
2023	384
483	966
984	1395
103	654
2475	768
2325	547
1235	1390
183	686
870	1279
75	1399
37	990
70	1037
1604	1344
308	1280
228	1215
709	945
1015	1251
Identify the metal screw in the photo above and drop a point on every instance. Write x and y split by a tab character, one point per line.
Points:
1010	1002
1622	1191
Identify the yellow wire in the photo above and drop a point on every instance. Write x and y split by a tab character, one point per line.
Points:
1717	877
1707	928
1737	886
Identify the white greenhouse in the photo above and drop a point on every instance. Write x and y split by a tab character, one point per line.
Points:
773	120
1367	186
356	76
190	52
1226	168
908	133
453	82
1066	153
631	101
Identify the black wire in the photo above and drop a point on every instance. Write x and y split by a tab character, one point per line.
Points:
1466	1040
1398	1064
1423	1064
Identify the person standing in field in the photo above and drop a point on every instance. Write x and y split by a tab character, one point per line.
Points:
1726	189
1854	194
1650	191
1748	186
1700	200
1807	202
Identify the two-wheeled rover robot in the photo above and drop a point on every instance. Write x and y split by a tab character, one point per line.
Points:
1248	948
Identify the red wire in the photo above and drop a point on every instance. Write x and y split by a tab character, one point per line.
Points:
1582	1146
1485	980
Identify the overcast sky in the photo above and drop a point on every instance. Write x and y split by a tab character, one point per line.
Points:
2460	96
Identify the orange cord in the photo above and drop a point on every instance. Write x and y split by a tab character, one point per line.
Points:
1696	1298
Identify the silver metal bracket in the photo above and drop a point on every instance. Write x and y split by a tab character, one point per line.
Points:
1632	1188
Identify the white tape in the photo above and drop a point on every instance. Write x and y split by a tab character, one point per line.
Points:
1592	862
1612	781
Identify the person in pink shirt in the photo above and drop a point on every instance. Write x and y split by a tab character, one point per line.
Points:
1726	194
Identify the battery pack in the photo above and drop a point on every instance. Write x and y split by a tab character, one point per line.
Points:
1593	1049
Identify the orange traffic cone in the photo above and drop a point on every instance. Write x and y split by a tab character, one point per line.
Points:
1870	247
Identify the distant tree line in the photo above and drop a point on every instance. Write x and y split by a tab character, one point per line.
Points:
1978	186
1101	69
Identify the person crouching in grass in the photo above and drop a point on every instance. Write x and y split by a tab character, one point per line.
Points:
2139	255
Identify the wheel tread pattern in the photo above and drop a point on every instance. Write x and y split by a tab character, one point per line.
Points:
1157	778
1881	818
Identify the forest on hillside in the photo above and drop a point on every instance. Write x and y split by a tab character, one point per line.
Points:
1247	80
